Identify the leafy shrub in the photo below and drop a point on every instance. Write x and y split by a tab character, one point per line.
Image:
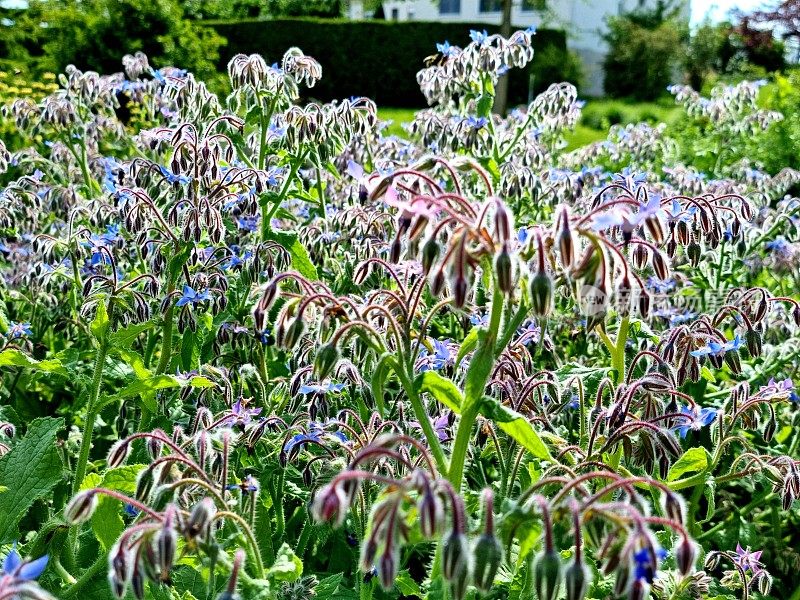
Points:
380	59
96	34
644	53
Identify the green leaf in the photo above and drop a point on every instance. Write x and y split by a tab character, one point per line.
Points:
515	425
467	346
589	377
30	470
124	337
711	506
12	357
692	461
145	388
406	585
100	324
485	103
441	388
135	361
287	566
107	521
379	375
300	259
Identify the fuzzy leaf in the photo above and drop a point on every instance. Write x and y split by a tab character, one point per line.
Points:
515	425
287	566
442	389
692	461
300	259
125	336
12	357
30	470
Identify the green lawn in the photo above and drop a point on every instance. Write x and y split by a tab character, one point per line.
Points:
597	116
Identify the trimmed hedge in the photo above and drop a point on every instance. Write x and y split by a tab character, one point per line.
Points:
376	59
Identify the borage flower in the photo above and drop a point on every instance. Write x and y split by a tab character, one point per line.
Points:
695	419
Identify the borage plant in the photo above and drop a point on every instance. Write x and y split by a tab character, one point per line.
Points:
281	354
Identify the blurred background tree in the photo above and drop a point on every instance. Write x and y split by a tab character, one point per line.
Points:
645	48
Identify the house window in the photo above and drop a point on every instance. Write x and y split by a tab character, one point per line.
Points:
489	6
449	7
531	5
395	14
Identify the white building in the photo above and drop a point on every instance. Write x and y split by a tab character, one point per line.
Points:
583	20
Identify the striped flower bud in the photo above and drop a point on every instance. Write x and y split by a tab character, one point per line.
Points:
660	265
81	508
387	569
504	270
144	484
503	222
431	513
693	252
437	283
118	453
293	333
166	546
487	555
753	340
576	580
547	574
454	554
325	360
541	289
565	239
200	518
430	252
685	556
673	507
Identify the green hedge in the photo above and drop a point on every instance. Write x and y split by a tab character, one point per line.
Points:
377	59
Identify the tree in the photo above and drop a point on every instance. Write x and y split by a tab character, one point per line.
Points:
784	18
645	46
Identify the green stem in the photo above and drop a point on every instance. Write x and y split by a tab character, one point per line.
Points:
477	376
91	409
88	577
618	353
266	216
424	420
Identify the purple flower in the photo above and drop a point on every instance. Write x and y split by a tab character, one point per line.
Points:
781	387
695	419
443	356
645	563
240	414
23	570
481	319
248	485
748	560
446	49
190	296
316	432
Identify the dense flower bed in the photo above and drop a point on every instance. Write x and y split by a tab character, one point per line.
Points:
257	349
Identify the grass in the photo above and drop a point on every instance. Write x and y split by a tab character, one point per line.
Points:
597	116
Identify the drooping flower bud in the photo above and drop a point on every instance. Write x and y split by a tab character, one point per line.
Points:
547	574
660	265
387	569
455	554
504	270
576	580
200	518
293	333
118	453
487	554
685	556
430	252
325	360
503	222
81	508
753	340
673	506
541	289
